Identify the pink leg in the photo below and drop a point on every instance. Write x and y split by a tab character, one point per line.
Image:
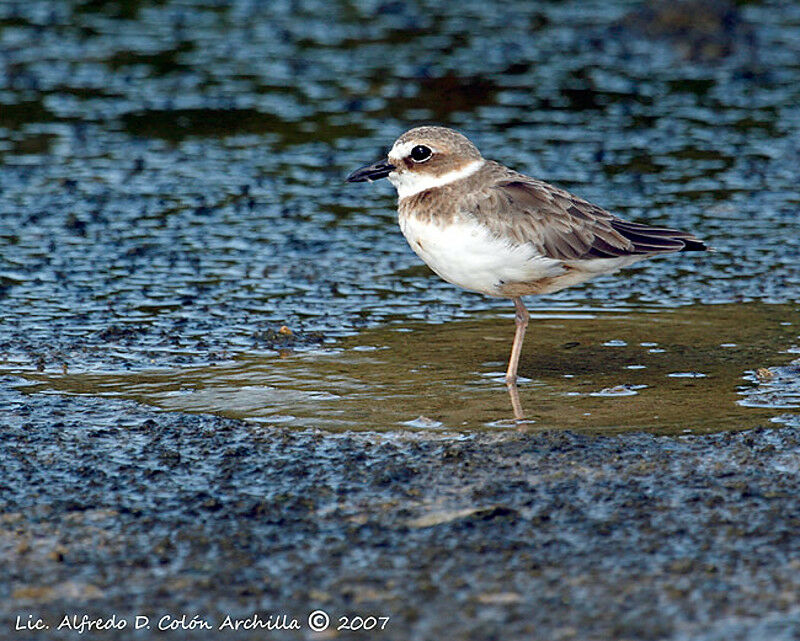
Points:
521	320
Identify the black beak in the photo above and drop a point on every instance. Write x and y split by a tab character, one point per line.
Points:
375	171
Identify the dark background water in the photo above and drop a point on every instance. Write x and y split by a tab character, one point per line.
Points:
172	171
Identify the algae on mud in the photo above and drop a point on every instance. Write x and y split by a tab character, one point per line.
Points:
659	370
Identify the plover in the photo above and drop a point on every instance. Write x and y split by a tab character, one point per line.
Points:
490	229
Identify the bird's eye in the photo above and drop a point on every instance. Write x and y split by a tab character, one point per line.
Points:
420	153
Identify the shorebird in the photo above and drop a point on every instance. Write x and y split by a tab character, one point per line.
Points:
490	229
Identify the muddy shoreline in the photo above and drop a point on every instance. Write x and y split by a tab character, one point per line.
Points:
545	535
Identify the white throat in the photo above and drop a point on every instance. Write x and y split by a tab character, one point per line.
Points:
409	183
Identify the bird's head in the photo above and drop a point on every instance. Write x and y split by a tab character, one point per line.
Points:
423	158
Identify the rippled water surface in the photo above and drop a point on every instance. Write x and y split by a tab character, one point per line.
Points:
688	370
171	194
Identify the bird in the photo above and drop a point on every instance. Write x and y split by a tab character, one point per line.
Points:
487	228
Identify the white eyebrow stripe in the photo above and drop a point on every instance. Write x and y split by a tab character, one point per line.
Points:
409	183
403	149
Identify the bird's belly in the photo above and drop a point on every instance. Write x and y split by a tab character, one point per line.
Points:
468	255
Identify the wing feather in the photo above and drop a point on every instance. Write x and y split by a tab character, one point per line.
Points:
566	227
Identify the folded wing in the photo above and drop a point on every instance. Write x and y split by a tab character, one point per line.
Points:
565	227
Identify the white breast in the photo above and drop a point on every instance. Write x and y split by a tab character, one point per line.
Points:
468	255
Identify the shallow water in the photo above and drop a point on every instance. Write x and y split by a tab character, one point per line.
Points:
172	189
692	369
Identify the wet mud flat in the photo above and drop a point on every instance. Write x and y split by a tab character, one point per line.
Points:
381	476
172	195
112	509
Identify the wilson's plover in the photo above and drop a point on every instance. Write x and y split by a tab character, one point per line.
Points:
489	229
